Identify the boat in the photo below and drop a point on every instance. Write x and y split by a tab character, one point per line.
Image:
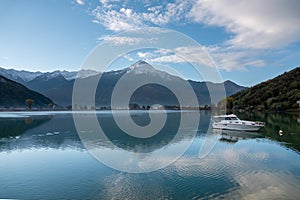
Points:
232	122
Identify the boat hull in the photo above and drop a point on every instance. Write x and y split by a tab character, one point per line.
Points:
236	127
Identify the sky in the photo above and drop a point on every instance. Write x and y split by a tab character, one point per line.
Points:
248	41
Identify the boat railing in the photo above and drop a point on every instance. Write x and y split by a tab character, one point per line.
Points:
260	123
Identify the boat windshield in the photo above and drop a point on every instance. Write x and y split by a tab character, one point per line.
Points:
218	118
234	118
231	118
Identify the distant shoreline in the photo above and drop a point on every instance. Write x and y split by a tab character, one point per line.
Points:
48	110
183	109
264	111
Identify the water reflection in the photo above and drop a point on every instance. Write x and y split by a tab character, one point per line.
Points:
234	136
11	127
58	131
48	161
287	122
124	141
38	131
168	134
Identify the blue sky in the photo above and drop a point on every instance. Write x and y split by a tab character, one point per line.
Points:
249	41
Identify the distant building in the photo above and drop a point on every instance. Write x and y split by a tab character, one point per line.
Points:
157	107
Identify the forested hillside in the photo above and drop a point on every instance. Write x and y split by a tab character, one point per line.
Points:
278	94
13	94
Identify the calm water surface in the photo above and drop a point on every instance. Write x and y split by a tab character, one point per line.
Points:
42	157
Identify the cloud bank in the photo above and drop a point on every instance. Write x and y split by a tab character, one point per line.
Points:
252	26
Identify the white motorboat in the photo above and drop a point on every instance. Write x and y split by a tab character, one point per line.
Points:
232	122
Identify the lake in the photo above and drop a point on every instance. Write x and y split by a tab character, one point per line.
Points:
43	157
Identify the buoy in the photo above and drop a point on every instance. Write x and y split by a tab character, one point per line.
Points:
280	132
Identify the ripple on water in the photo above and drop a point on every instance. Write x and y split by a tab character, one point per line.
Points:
134	186
196	178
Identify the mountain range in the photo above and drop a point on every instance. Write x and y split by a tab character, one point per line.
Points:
58	85
22	76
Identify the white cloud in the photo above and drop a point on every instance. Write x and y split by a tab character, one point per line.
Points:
254	24
167	59
116	18
220	57
144	55
171	12
108	3
231	59
120	40
80	2
193	54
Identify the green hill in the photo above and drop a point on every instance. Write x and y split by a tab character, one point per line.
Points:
13	94
277	94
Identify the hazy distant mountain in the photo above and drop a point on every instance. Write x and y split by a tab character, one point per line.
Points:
19	76
13	94
83	73
154	93
147	94
202	92
280	93
58	85
22	76
57	88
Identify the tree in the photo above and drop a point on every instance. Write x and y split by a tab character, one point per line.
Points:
29	103
229	101
226	103
134	106
222	104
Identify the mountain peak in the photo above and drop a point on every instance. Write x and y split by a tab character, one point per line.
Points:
229	82
141	67
140	63
50	75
